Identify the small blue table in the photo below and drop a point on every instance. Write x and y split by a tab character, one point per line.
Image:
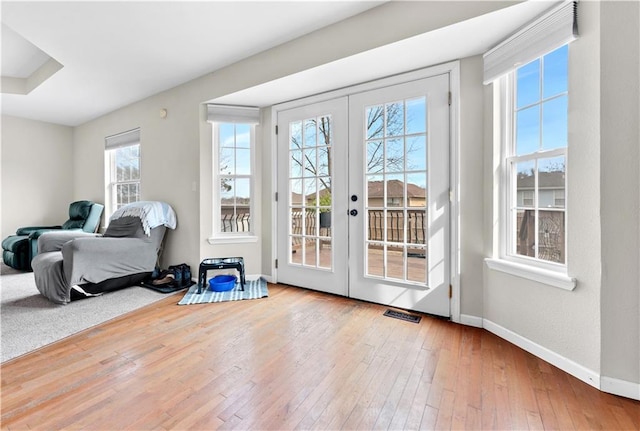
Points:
219	263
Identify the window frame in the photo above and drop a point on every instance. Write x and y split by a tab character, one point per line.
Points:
111	179
532	268
218	236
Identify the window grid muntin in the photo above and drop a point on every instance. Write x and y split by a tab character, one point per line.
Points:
512	159
309	173
230	219
385	243
127	155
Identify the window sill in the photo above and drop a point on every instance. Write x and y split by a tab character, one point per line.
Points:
240	239
532	273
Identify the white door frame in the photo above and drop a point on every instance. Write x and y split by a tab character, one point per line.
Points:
453	69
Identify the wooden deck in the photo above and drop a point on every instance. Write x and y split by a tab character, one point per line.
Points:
296	360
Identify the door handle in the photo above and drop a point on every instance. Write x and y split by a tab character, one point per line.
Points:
353	212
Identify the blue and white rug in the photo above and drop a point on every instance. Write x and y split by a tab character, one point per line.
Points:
253	289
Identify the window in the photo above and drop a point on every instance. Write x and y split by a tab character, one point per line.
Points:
234	131
529	71
122	170
233	181
536	159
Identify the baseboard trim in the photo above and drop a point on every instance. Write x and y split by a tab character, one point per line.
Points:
619	387
268	278
567	365
466	319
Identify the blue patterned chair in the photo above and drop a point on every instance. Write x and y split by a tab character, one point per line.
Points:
18	250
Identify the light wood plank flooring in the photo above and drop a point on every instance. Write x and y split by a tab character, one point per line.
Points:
296	360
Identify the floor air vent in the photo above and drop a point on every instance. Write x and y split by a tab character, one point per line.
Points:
402	316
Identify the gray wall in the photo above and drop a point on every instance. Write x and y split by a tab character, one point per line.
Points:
35	155
620	219
596	325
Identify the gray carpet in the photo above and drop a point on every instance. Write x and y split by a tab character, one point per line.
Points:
28	320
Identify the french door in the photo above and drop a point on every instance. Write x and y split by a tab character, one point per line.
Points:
363	186
312	195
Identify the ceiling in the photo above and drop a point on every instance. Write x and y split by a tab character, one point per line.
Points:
116	53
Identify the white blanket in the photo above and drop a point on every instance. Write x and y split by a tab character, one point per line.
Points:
151	213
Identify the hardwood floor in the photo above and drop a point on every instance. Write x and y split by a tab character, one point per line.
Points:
296	360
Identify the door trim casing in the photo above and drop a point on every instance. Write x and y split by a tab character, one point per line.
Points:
453	69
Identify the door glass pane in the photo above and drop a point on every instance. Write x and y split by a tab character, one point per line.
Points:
375	121
416	264
375	225
324	156
375	259
310	133
310	163
396	194
417	115
394	125
375	157
416	153
295	194
295	135
416	227
295	164
395	191
395	262
394	155
310	192
375	191
417	190
296	250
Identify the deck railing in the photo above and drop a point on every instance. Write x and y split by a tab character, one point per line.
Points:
238	222
394	221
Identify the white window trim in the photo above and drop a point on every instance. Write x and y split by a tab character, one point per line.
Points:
533	273
218	237
548	273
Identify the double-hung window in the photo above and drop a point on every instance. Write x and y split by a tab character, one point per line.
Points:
536	160
530	72
122	169
233	172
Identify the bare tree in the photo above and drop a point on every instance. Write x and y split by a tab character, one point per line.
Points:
383	122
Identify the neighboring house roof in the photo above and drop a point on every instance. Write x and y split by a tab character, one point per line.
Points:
395	188
546	180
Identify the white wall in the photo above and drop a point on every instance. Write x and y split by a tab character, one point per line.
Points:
37	173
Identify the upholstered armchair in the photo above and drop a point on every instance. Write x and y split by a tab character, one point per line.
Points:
19	250
76	265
